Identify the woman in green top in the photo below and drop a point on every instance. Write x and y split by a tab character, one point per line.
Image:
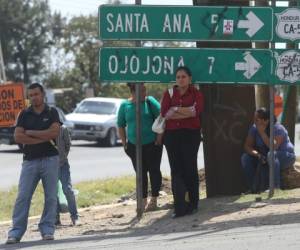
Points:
151	142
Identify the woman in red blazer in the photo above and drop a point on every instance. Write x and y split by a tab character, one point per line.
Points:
182	108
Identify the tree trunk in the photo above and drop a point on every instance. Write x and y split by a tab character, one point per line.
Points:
228	113
25	70
24	61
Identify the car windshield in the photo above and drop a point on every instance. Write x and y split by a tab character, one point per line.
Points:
99	108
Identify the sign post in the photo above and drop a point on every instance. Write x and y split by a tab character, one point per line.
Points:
138	149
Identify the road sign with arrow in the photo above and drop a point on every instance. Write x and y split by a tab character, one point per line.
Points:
189	23
208	65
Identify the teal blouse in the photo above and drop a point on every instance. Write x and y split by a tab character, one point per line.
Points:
150	109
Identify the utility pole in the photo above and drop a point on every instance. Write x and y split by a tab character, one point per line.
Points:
228	113
2	70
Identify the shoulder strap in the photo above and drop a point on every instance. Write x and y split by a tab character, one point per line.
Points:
170	90
53	141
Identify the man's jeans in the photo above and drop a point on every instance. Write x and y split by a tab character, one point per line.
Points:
282	160
65	179
46	169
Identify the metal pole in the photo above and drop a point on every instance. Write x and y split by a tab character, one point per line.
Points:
271	142
271	155
2	70
139	188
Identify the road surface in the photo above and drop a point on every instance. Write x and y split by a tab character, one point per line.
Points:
88	161
274	237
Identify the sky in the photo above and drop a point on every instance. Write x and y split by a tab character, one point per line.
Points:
69	8
85	7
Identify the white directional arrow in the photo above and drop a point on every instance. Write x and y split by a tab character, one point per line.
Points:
250	66
253	24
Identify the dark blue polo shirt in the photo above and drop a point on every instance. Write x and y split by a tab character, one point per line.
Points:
29	120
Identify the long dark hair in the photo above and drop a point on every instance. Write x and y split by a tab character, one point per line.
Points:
265	114
185	69
131	87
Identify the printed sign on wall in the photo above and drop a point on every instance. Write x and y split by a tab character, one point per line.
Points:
11	103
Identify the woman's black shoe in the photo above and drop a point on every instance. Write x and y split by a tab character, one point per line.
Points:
192	211
177	215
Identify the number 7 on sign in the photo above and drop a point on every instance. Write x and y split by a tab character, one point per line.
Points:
211	64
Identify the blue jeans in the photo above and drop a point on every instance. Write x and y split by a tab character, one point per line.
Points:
249	165
65	178
282	160
46	169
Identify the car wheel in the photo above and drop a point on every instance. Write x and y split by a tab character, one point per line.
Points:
111	138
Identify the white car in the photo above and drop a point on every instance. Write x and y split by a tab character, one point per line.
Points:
95	119
63	119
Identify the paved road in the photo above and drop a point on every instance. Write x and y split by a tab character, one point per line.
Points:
274	237
88	161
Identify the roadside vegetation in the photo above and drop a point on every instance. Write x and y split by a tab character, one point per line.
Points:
278	195
90	193
99	192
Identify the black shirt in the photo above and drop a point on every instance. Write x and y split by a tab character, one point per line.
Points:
29	120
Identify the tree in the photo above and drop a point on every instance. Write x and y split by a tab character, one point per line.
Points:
79	66
80	42
26	33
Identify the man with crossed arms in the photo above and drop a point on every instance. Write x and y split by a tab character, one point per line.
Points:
37	128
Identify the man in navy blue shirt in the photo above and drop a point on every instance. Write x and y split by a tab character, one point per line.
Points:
36	128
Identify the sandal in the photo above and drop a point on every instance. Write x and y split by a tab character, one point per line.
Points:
152	205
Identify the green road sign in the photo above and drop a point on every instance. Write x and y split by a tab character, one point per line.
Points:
208	65
188	23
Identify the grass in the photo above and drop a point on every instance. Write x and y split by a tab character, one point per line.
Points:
278	194
107	191
90	193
